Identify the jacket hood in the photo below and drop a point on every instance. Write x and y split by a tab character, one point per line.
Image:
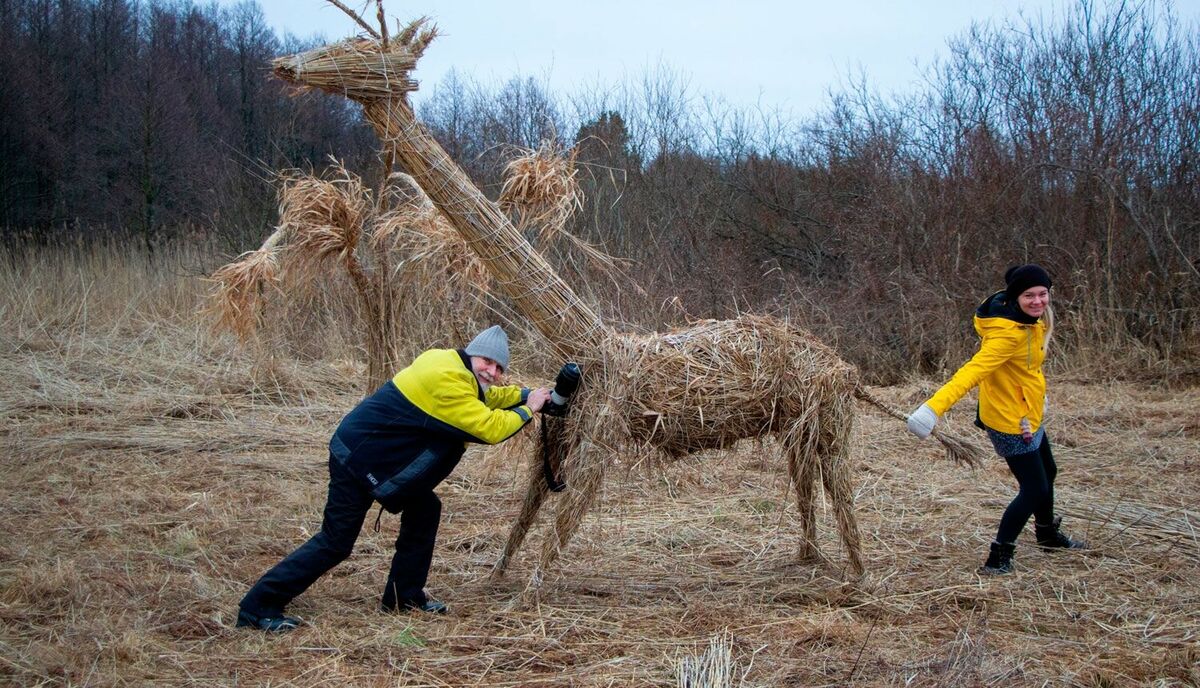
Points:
998	308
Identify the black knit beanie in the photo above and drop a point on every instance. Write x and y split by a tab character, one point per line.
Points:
1021	277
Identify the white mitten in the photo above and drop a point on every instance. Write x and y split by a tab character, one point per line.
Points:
921	421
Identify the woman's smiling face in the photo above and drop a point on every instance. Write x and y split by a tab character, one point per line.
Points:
1034	301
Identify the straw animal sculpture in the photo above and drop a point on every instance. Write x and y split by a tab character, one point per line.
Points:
703	387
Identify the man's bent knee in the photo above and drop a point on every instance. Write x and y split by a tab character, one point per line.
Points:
336	549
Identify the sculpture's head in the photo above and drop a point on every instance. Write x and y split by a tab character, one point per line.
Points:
361	69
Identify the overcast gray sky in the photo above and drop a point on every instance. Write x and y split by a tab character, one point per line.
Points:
780	54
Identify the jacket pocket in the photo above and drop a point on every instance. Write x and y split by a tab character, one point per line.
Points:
419	475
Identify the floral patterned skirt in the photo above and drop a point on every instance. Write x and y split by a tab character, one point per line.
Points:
1007	445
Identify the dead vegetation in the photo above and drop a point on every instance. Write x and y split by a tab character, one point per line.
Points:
151	471
389	246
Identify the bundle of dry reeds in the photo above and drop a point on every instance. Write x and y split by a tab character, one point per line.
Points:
238	300
720	381
713	668
320	218
322	223
541	192
323	217
357	68
540	187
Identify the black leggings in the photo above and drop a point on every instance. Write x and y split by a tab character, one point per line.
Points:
1035	473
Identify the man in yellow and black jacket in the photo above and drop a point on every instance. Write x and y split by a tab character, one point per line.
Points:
394	448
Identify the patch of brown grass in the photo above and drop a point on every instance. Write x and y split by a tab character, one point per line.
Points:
152	472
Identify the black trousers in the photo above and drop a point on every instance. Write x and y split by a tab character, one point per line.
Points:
1035	472
345	510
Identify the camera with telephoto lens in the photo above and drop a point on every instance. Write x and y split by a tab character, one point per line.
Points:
564	386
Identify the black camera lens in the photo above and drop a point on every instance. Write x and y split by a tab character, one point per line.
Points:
567	381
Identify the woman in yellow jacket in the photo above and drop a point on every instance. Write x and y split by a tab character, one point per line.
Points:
1015	327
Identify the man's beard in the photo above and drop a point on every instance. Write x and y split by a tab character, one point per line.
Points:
484	386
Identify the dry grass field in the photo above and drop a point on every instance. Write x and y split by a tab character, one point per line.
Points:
151	471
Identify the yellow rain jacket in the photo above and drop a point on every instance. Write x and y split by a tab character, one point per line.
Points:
440	383
1007	368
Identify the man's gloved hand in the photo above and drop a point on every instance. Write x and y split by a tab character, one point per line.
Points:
921	421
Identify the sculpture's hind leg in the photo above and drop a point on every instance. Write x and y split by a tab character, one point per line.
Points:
834	452
800	450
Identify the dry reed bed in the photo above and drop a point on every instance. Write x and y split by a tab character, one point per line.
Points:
150	473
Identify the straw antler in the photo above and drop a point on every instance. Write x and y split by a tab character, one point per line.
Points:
356	17
383	30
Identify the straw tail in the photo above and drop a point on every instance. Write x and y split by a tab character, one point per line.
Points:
520	271
958	450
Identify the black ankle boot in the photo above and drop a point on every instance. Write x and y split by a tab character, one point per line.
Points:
1000	559
427	606
271	623
1051	537
420	603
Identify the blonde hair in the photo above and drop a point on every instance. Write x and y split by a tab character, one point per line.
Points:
1048	318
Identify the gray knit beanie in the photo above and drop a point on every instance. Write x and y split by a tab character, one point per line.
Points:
491	343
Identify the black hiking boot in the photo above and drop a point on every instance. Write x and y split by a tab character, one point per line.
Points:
428	606
420	604
1051	536
1000	559
271	624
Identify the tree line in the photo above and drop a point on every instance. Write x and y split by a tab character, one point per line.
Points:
1070	140
151	118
